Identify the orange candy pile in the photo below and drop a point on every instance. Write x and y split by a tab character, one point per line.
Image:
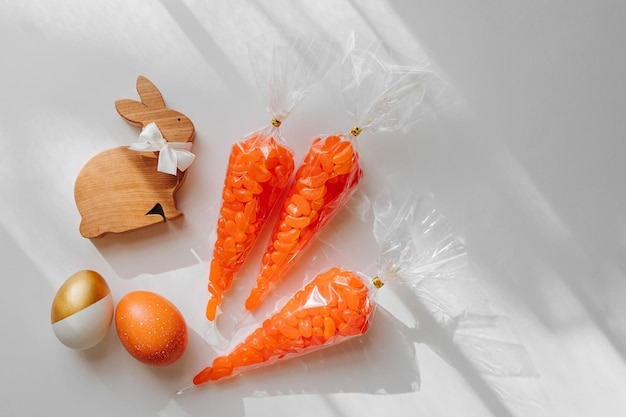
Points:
258	170
334	306
325	180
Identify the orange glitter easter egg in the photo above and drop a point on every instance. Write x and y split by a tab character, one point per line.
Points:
151	328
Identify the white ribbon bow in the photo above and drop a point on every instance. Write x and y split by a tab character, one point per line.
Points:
172	155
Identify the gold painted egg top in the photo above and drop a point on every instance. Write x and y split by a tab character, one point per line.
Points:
78	292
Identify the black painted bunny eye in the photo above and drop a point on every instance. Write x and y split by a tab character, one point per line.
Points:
179	119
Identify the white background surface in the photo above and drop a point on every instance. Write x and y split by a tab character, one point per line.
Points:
527	167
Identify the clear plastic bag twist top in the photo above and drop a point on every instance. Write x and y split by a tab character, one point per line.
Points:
286	67
429	267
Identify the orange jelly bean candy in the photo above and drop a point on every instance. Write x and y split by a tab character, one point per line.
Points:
306	321
326	179
258	170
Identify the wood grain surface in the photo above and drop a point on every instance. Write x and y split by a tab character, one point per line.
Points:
120	189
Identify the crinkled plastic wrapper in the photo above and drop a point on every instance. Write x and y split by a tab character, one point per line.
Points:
260	166
380	96
338	304
418	254
420	258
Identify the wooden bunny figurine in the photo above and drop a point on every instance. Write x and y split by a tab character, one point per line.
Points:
126	188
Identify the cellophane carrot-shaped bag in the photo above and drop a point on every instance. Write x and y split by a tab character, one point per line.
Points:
418	256
379	97
259	167
338	304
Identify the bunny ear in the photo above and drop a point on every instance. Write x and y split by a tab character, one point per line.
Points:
141	113
133	111
149	94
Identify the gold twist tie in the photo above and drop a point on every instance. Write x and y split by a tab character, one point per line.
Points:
378	283
276	122
356	130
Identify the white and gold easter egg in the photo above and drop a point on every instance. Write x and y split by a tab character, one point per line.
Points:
82	310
